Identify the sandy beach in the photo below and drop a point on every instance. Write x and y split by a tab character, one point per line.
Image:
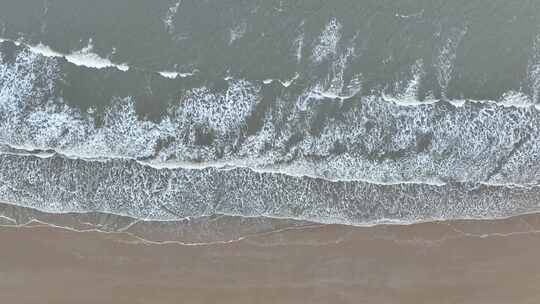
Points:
448	262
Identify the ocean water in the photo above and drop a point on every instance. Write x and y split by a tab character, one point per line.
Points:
350	112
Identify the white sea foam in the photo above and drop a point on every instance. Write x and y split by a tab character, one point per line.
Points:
286	83
415	15
409	93
223	113
92	60
44	50
328	41
447	56
298	44
510	99
136	191
334	85
168	20
425	143
86	58
237	32
174	75
533	70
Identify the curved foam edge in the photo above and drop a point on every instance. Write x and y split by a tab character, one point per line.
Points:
88	59
286	83
174	75
509	100
230	165
84	57
187	232
308	223
233	109
129	189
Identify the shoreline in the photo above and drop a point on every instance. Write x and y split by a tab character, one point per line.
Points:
97	214
456	262
189	231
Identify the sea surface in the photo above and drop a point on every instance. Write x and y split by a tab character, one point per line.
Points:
355	112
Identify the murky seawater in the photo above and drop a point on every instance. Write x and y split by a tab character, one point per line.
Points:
351	112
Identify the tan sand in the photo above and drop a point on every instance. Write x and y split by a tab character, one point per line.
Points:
459	262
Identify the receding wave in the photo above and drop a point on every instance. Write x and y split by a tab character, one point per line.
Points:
60	185
190	231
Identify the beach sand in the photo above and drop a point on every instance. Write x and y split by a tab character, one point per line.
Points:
477	262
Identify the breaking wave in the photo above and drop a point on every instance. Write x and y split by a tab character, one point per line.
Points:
361	137
60	185
317	145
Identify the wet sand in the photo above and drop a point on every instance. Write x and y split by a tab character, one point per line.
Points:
447	262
